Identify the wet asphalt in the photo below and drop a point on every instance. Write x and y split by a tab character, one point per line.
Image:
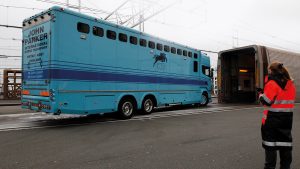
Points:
215	137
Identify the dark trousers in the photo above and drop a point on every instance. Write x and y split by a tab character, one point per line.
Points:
285	159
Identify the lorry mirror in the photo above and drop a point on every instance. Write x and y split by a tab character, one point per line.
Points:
207	73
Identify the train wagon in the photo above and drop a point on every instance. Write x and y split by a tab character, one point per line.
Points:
242	70
77	64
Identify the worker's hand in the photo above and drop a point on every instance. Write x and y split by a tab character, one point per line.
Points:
259	90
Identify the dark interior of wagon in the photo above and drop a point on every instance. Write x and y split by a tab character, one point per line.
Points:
238	76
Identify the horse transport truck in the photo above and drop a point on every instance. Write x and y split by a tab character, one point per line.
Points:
77	64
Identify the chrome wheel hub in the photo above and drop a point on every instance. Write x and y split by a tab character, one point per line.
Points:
127	108
148	105
204	99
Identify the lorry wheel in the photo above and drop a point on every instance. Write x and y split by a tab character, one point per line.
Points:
147	105
204	100
126	108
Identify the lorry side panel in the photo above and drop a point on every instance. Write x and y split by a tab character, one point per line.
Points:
90	74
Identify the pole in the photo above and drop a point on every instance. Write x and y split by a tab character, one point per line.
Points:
149	17
109	15
79	5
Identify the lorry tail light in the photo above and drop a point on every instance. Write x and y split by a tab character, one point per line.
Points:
44	93
25	92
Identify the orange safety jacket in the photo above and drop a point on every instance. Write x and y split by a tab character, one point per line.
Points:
278	114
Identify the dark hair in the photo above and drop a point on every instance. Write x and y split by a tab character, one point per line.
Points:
279	71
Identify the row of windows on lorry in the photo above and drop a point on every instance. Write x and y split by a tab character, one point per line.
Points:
97	31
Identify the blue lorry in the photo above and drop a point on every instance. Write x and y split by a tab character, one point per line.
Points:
77	64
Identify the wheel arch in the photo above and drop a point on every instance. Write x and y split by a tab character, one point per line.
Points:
127	96
205	93
152	96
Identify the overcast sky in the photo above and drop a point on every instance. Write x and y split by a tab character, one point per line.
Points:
203	24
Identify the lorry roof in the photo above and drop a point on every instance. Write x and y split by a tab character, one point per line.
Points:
239	48
58	8
256	48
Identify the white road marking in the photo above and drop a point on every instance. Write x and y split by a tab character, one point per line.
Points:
176	114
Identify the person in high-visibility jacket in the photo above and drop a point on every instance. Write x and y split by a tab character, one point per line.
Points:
278	97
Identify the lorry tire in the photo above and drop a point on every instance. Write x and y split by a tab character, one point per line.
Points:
126	108
204	100
147	105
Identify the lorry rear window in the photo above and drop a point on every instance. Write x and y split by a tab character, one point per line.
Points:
166	48
184	53
195	55
151	45
173	50
143	42
122	37
159	46
195	66
111	34
133	40
179	51
83	27
98	31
